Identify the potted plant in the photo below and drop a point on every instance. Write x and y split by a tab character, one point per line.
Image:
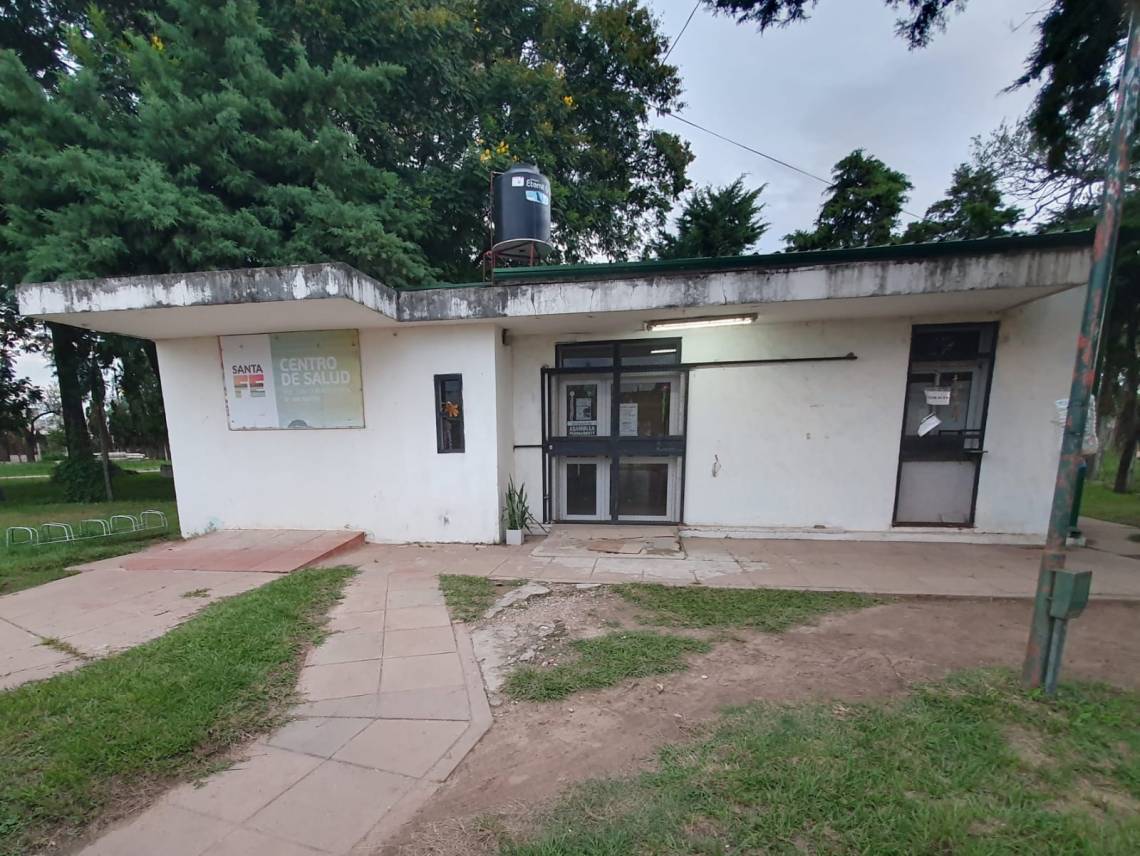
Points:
516	514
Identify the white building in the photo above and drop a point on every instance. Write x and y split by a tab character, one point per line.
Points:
903	391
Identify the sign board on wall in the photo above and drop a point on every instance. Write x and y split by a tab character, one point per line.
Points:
293	380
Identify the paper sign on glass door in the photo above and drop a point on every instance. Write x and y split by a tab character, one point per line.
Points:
627	419
937	396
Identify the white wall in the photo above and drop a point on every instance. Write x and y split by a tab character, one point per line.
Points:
1037	344
816	444
386	479
798	444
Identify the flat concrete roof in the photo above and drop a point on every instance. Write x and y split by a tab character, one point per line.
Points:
990	275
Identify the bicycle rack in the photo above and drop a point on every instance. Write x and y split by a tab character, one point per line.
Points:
132	522
151	513
11	541
150	520
101	525
46	530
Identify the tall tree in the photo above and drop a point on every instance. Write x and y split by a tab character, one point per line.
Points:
715	221
973	208
862	208
1078	43
565	84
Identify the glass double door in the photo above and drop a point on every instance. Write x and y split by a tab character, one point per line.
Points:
619	457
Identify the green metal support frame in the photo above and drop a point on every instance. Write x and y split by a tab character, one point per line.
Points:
1039	668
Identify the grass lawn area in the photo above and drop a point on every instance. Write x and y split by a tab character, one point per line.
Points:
609	659
74	746
603	662
1101	502
34	501
970	765
771	610
467	597
44	468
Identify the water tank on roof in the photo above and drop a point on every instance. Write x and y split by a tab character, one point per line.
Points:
521	214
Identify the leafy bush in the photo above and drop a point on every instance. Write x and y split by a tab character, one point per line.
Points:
82	479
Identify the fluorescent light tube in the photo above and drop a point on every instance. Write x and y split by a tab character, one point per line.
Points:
708	321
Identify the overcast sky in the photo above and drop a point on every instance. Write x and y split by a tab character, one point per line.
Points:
812	92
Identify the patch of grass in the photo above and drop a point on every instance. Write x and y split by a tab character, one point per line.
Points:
129	487
603	662
22	567
969	765
44	468
771	610
63	647
468	597
73	745
198	592
1101	502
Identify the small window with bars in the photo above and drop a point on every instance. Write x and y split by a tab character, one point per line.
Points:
449	413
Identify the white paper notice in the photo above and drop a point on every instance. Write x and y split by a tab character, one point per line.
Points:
928	424
627	419
937	396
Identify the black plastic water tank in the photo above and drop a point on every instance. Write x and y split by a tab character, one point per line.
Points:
521	213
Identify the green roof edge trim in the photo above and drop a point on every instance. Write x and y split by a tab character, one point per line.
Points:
890	252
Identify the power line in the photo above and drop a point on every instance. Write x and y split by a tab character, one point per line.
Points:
696	6
748	148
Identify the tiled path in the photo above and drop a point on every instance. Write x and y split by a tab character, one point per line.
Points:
101	611
394	701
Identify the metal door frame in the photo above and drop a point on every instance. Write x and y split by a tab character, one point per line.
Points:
613	446
980	452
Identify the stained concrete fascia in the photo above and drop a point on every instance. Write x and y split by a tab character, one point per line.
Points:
208	288
1054	269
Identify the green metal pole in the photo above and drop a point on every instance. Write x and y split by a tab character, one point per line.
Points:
1100	276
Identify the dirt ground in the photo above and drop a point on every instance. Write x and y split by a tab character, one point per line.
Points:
535	750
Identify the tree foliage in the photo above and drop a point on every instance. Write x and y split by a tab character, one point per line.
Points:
188	150
362	121
862	207
1078	43
135	415
972	208
715	221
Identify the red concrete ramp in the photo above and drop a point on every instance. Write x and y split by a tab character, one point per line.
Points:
274	551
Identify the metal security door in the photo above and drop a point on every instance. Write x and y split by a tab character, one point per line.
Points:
944	420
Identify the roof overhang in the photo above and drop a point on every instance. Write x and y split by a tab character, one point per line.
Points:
976	276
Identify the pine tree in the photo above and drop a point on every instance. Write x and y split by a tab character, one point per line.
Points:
973	208
862	208
715	221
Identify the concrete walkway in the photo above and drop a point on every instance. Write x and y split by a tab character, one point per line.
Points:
394	700
891	567
101	611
